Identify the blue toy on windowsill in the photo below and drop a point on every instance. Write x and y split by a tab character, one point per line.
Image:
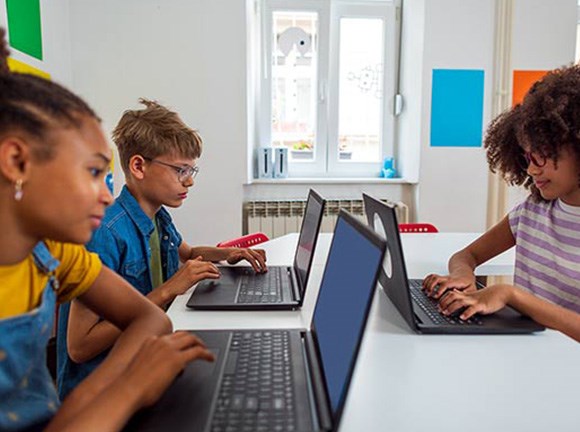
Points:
388	170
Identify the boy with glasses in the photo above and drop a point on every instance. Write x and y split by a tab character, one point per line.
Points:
137	238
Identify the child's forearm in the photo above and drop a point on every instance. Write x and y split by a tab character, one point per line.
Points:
209	253
107	412
462	264
102	334
100	337
139	320
128	343
546	313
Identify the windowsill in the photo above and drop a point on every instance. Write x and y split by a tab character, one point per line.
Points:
326	180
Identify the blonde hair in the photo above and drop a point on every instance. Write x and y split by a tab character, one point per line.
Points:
152	132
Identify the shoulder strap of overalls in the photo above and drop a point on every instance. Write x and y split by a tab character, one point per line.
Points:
43	259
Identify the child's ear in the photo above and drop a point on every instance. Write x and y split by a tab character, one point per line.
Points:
137	166
15	155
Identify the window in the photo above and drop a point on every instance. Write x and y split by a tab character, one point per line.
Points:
578	34
327	84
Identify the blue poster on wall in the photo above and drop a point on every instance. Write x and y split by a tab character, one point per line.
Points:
457	108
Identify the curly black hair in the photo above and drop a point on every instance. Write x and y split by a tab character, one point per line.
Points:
547	121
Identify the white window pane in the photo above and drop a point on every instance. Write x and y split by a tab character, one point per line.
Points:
360	89
294	71
578	41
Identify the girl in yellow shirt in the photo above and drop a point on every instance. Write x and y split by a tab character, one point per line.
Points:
53	160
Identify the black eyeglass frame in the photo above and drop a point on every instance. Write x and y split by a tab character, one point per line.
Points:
529	157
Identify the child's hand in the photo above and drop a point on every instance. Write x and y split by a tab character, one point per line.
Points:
159	361
436	285
485	301
190	273
256	258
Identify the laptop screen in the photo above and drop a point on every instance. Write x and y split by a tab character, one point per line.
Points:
307	239
344	300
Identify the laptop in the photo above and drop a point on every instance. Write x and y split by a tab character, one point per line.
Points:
417	308
287	380
281	287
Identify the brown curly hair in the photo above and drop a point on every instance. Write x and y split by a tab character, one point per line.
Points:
547	121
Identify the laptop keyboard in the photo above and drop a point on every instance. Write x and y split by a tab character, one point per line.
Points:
256	393
429	306
264	288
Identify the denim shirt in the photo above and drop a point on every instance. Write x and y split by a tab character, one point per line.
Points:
122	243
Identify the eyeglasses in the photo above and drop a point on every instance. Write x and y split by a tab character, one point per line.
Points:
530	157
184	172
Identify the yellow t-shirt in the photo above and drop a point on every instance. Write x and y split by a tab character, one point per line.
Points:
22	284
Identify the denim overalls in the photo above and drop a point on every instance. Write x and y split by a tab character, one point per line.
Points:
27	394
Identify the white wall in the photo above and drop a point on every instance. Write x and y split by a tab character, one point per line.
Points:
189	55
452	189
459	34
54	21
544	38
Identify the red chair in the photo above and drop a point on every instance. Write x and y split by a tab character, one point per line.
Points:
417	228
245	241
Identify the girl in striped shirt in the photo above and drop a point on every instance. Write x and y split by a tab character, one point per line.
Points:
535	145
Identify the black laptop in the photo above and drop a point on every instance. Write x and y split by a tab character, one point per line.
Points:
419	310
282	380
281	287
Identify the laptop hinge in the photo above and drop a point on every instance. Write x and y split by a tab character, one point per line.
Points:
295	289
319	390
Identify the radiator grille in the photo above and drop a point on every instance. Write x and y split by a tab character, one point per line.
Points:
276	218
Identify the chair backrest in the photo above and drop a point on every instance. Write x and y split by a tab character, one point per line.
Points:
245	241
417	228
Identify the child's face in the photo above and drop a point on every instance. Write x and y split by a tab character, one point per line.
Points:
559	181
167	180
65	197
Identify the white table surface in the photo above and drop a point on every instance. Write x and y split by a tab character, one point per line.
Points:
409	382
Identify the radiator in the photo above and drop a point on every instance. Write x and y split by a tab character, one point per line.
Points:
276	218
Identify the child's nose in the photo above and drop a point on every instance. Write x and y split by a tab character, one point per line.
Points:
533	169
106	196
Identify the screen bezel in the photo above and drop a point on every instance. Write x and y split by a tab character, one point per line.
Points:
377	241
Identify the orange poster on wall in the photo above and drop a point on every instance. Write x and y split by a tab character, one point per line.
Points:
523	80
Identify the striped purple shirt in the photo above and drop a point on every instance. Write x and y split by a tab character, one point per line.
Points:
548	250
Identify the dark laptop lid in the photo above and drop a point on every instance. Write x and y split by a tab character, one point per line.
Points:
393	274
308	237
394	280
343	304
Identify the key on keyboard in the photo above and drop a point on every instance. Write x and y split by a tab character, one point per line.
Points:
429	306
263	288
256	393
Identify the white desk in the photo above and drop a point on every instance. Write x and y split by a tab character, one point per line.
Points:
405	382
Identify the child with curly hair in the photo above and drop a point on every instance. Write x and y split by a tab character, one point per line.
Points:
535	145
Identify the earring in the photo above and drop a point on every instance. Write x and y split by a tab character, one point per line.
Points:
18	192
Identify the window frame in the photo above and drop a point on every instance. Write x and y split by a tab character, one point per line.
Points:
326	162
